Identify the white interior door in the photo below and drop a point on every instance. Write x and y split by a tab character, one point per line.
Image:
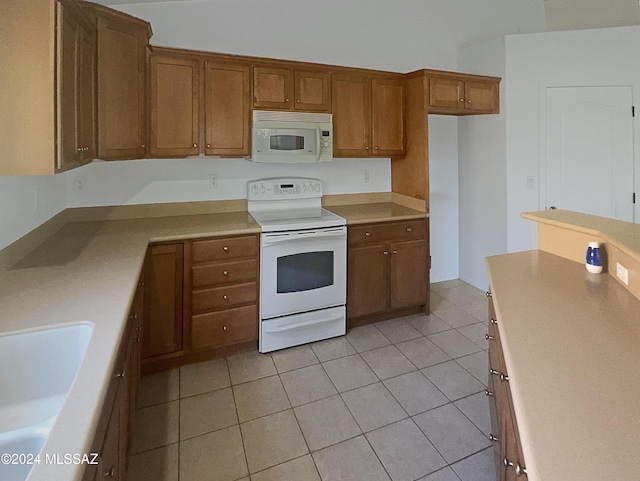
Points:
589	150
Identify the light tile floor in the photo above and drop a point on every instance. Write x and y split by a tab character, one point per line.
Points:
398	400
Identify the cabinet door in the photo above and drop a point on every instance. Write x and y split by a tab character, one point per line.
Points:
174	106
109	461
481	97
272	88
312	91
351	107
122	91
68	32
162	321
387	125
408	273
446	93
87	95
367	280
227	109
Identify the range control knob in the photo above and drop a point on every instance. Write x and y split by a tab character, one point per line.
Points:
262	189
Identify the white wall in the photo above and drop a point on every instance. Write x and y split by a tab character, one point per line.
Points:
183	180
27	202
482	170
443	197
587	57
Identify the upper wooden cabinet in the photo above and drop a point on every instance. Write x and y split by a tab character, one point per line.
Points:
227	109
174	106
122	82
288	89
463	94
368	116
47	120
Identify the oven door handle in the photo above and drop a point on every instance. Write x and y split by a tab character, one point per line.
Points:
297	236
303	324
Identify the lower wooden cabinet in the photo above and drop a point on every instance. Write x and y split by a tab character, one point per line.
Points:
507	449
163	298
387	270
113	433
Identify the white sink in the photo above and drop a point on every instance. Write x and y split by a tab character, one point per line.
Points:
37	370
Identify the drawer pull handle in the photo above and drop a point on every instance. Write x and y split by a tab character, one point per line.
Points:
504	378
409	229
507	463
488	293
493	321
225	248
488	337
224	328
226	273
488	393
111	473
520	470
225	297
493	438
368	234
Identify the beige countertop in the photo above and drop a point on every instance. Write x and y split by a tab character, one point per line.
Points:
88	271
375	212
84	266
571	344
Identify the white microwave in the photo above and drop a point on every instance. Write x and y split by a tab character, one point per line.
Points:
291	137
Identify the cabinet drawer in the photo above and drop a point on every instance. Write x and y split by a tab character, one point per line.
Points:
205	275
224	328
219	298
226	248
385	232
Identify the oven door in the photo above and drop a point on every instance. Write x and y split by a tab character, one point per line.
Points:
302	271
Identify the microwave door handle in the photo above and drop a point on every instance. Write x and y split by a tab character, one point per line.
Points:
318	134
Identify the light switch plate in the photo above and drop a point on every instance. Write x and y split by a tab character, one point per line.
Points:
622	273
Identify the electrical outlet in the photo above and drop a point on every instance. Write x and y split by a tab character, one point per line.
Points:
213	181
78	184
366	177
622	273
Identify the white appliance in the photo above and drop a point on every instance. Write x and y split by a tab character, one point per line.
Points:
303	263
291	137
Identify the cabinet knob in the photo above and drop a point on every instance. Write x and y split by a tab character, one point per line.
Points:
366	148
195	145
493	438
225	248
111	473
286	100
520	470
142	146
409	229
386	253
208	146
460	100
121	373
224	328
468	101
375	148
79	149
488	293
225	297
488	393
368	234
394	252
504	378
488	337
494	372
507	463
225	273
493	321
297	101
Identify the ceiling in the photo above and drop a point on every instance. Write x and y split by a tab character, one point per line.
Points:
559	14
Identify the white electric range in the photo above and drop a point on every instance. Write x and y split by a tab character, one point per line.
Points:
303	263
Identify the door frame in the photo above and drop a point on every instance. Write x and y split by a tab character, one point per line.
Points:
633	83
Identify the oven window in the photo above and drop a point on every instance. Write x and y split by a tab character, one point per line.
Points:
286	142
304	272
